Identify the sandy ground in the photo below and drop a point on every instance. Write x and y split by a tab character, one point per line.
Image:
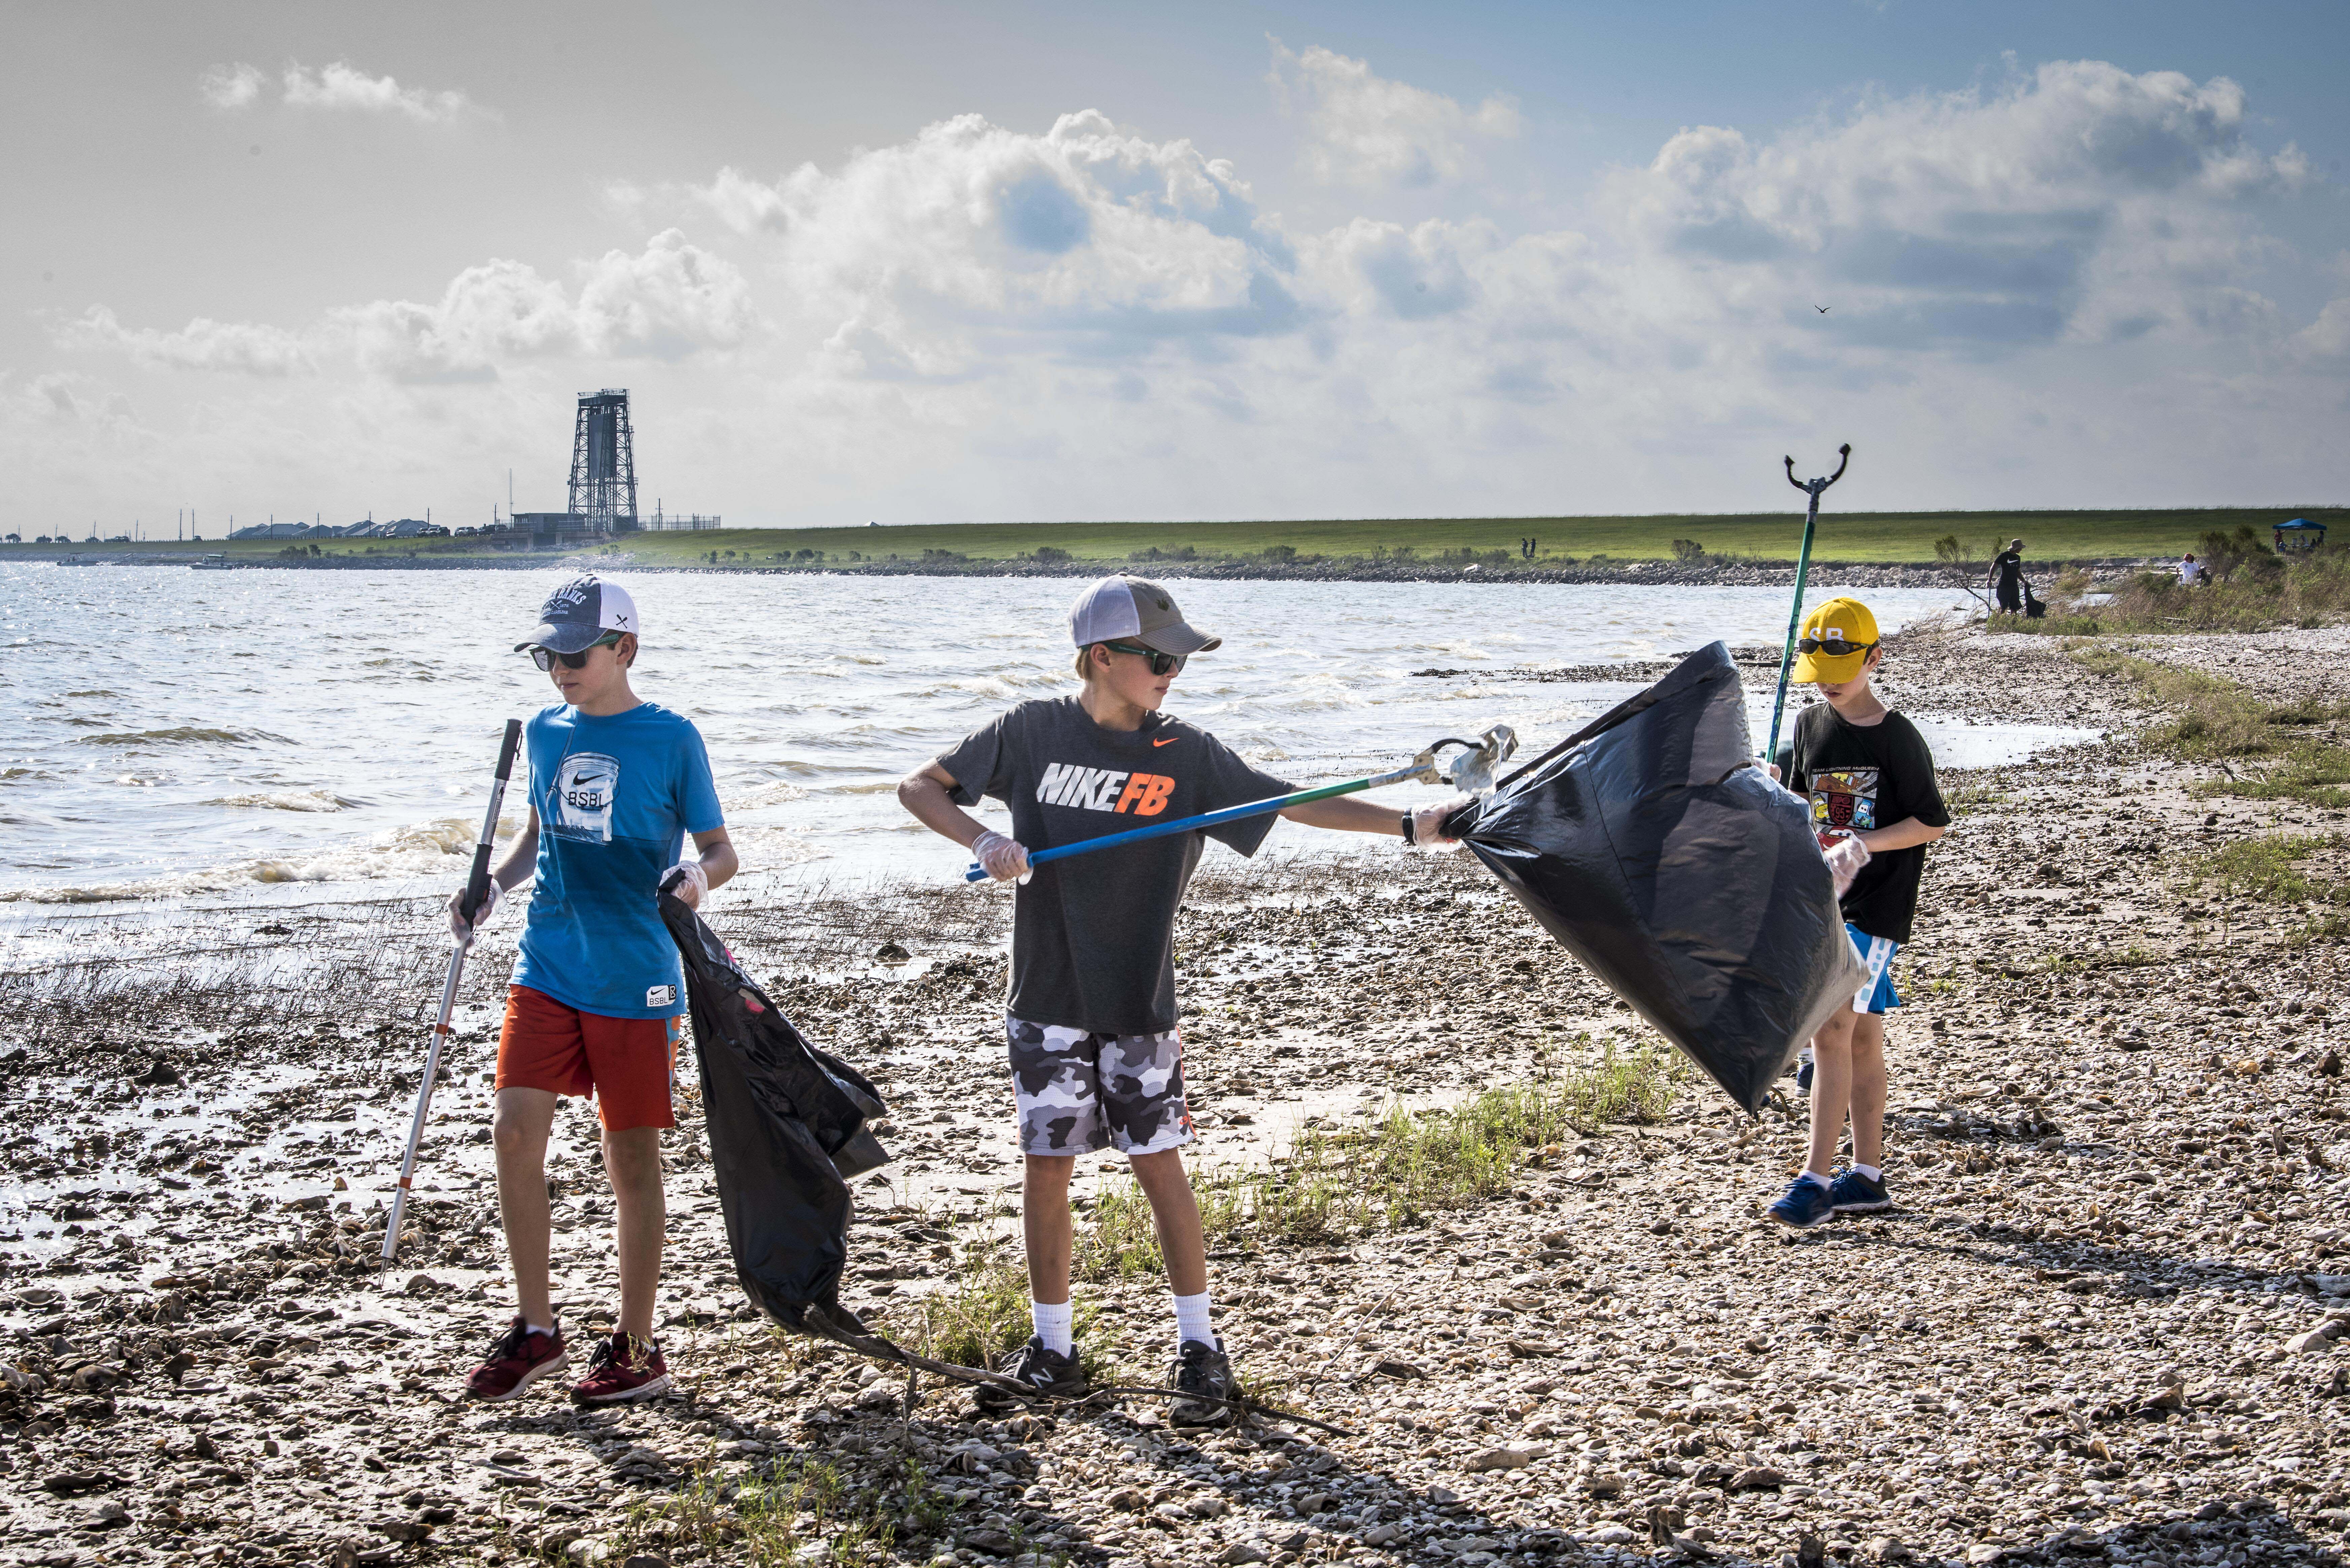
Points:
2101	1325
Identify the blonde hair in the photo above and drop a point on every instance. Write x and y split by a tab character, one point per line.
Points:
1085	662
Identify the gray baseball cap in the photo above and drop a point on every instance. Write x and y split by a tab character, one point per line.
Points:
1129	609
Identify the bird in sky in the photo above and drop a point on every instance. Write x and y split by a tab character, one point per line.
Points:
1820	309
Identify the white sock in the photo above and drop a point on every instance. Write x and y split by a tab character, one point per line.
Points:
1052	1321
1815	1176
1191	1320
1873	1172
531	1327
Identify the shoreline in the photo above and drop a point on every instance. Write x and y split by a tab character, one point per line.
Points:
2103	1322
1614	574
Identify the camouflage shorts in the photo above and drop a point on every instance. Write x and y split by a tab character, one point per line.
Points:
1079	1093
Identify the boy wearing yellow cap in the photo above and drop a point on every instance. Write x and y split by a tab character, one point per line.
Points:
1869	776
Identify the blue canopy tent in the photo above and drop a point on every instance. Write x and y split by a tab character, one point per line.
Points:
2300	533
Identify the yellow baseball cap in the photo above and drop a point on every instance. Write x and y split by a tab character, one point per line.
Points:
1840	620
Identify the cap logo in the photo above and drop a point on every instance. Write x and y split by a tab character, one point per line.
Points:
1163	604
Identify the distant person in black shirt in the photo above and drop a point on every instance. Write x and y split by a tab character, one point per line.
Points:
2007	577
1869	776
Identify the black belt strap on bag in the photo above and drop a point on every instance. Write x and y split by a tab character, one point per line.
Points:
1650	845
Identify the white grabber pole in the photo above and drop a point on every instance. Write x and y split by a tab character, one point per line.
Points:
477	888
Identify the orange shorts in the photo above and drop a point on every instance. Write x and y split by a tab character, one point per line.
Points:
627	1062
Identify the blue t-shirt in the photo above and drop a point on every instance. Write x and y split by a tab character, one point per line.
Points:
616	797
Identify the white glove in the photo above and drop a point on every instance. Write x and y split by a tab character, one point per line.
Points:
1845	857
1427	821
696	886
457	926
1005	859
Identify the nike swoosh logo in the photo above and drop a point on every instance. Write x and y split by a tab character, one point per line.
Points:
1168	742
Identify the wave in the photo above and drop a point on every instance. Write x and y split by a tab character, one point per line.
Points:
769	792
288	800
182	734
420	849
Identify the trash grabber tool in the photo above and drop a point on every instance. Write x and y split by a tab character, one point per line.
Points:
1471	772
1802	570
477	888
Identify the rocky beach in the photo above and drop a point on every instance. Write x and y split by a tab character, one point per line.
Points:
2105	1324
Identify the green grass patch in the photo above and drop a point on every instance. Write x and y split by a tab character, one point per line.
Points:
1489	542
2260	589
981	1319
1339	1182
2268	870
2294	747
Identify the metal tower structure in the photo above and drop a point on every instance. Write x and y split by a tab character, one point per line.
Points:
603	462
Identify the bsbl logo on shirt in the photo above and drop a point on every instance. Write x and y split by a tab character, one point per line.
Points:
1104	789
584	787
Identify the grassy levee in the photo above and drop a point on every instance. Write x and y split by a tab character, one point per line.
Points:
1852	538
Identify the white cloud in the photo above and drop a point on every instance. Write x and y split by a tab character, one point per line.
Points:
670	301
933	256
2328	337
336	86
236	347
1364	130
2057	292
341	86
230	86
2081	202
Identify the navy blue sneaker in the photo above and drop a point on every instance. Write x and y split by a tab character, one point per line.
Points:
1852	1193
1803	1076
1807	1204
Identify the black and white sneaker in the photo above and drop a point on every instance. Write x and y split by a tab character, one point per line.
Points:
1048	1371
1204	1370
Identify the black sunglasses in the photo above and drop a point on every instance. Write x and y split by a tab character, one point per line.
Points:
1833	646
1160	663
547	657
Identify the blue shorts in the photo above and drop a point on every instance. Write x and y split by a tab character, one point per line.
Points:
1876	993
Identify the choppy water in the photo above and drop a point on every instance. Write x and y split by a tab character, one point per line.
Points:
168	733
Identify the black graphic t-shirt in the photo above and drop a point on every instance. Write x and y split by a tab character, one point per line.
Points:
1093	937
1864	776
2009	565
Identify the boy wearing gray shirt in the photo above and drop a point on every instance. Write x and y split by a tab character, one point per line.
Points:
1095	1059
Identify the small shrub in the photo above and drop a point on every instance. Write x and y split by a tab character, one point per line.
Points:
1051	554
1688	551
1279	553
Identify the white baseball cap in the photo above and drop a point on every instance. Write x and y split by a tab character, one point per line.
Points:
1121	608
578	613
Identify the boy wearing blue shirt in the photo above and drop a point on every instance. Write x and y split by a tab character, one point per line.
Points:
598	999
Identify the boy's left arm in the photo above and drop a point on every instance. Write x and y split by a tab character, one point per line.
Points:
718	862
1353	813
1903	834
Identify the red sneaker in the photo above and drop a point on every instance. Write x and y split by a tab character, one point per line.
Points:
520	1358
623	1368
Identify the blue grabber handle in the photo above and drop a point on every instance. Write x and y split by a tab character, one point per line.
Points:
977	873
1471	773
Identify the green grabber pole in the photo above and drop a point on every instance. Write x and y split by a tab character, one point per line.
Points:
1802	570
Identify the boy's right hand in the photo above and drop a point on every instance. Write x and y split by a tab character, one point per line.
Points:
1005	859
457	926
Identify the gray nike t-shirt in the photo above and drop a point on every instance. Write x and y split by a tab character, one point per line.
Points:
1093	937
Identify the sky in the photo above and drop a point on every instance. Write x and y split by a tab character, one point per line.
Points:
913	261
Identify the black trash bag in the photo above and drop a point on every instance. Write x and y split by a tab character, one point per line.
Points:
1654	850
786	1127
